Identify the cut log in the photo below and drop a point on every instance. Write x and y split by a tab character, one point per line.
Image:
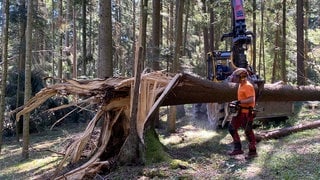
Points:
286	131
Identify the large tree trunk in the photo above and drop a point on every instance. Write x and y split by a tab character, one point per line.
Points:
74	31
254	29
105	66
196	90
143	28
284	42
261	65
4	66
21	64
176	61
156	5
60	6
27	82
205	30
84	37
132	152
300	44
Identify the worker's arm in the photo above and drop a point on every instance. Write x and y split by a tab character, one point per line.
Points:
247	101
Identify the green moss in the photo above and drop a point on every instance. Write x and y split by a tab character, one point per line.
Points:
155	152
177	163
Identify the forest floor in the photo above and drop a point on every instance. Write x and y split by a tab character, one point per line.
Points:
195	151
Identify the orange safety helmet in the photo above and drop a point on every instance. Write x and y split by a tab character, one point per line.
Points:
240	71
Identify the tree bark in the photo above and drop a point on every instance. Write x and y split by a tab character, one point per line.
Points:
22	60
205	31
254	30
192	90
75	45
286	131
284	42
4	66
105	67
156	4
84	37
300	44
27	92
276	67
132	152
60	6
261	65
143	28
176	60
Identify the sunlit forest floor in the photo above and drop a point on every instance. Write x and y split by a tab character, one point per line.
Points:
195	150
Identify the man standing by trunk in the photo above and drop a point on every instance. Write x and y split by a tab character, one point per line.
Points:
244	118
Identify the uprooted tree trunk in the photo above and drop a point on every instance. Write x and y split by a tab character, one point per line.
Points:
113	99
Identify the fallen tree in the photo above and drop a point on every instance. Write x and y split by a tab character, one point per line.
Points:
278	133
113	99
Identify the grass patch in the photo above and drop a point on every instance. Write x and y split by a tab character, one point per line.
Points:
41	161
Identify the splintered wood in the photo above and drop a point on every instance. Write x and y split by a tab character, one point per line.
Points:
113	98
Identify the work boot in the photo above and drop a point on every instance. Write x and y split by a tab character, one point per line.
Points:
252	154
235	152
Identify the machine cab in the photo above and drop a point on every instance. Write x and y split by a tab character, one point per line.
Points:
219	65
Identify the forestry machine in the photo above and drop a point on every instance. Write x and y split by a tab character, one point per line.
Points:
221	64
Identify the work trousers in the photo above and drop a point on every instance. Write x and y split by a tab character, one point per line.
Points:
245	121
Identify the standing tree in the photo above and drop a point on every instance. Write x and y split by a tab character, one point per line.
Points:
143	29
156	36
254	30
205	30
27	84
105	67
74	32
60	5
67	36
22	57
212	28
185	31
275	75
132	150
84	37
133	29
4	65
53	26
284	41
156	4
300	44
176	63
261	51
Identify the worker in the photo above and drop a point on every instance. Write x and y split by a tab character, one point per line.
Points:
244	118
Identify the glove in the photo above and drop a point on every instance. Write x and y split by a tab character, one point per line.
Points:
237	102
